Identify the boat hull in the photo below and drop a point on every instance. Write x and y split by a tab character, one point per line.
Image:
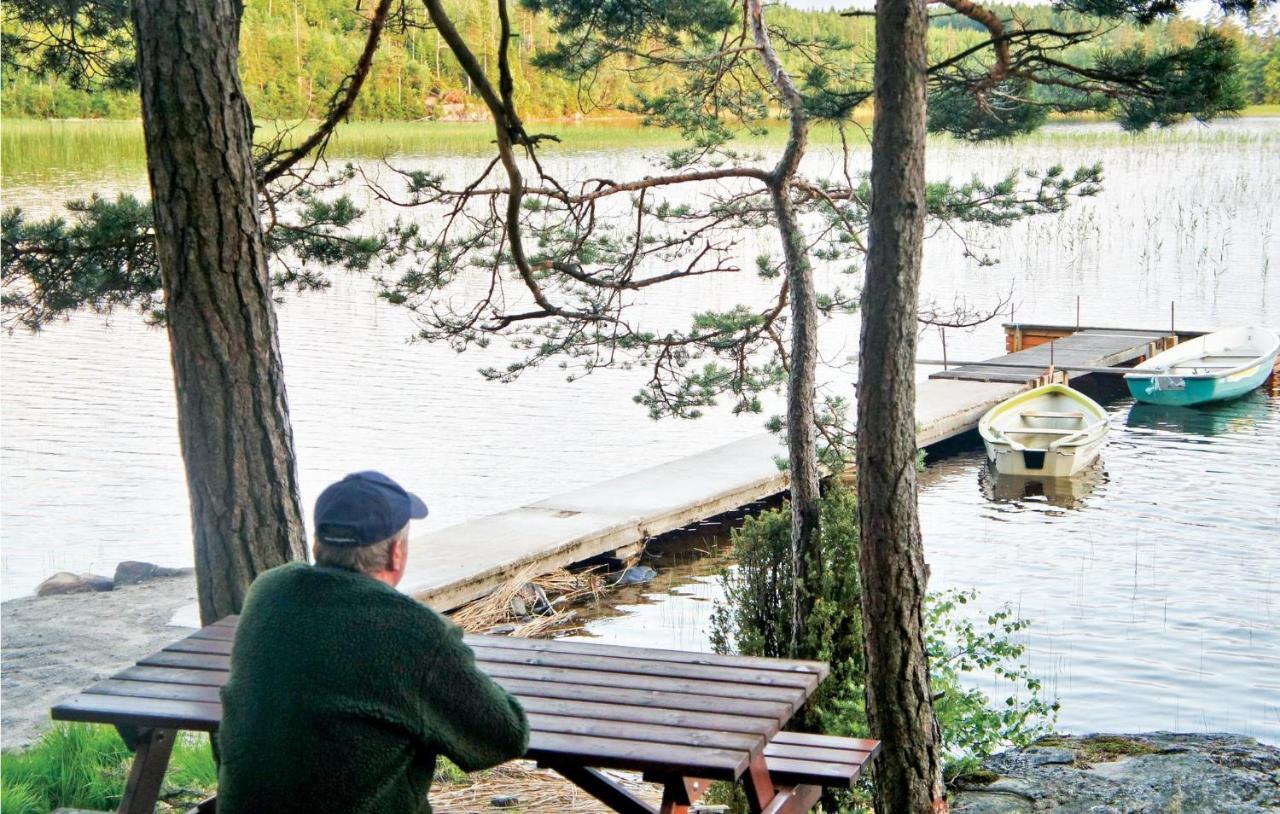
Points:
1045	464
1189	391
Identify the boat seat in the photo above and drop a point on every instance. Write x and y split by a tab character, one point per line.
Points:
1050	414
1045	431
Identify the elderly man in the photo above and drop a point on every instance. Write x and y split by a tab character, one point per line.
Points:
343	691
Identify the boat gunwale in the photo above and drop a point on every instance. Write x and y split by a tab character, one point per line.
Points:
1101	424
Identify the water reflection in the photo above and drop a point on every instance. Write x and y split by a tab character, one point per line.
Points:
1240	415
1061	493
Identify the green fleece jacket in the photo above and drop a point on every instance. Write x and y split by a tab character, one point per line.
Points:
342	693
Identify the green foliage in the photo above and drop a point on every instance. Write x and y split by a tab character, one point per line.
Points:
85	766
76	766
953	109
1199	81
973	727
103	259
755	620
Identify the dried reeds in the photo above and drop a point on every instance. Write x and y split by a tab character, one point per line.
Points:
536	791
547	600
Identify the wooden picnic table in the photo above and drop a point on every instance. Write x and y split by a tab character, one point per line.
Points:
681	719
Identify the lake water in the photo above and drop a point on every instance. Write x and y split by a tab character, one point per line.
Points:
1153	593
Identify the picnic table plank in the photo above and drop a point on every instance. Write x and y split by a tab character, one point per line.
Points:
225	630
647	733
173	675
496	649
749	728
143	712
738	707
717	689
767	712
494	654
588	648
625	713
826	741
157	689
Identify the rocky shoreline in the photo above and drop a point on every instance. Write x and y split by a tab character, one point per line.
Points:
1149	773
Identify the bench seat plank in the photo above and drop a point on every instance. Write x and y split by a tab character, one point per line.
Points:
790	772
656	758
826	741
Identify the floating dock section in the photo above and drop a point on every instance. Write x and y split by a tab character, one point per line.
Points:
455	565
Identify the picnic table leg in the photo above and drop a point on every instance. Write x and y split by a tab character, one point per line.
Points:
758	785
150	759
679	793
763	798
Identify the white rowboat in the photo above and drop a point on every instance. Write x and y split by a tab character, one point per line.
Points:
1051	431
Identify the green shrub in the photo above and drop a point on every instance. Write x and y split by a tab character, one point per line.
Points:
755	620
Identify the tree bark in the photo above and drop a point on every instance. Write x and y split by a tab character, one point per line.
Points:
899	698
233	419
802	445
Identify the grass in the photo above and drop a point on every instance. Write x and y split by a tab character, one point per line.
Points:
85	766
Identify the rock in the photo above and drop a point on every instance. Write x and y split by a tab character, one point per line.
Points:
532	600
636	575
65	582
504	801
501	630
131	572
1124	774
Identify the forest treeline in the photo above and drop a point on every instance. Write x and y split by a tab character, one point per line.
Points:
294	53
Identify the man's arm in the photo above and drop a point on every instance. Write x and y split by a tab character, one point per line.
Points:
470	719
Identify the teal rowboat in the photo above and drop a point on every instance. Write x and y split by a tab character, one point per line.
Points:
1214	367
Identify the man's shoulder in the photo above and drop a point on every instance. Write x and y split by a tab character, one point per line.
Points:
332	593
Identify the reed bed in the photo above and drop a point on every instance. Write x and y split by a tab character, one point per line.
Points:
562	588
535	791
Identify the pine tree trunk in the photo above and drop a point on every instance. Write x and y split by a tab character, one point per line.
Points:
233	420
802	446
899	698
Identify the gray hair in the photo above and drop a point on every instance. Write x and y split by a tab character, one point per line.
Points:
365	559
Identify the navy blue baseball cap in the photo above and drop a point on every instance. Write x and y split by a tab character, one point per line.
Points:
364	508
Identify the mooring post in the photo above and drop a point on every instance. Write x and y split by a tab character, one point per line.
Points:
943	331
1077	312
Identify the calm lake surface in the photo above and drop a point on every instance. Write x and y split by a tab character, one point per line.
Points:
1154	589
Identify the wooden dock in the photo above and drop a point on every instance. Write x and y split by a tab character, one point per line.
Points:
455	565
1088	348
